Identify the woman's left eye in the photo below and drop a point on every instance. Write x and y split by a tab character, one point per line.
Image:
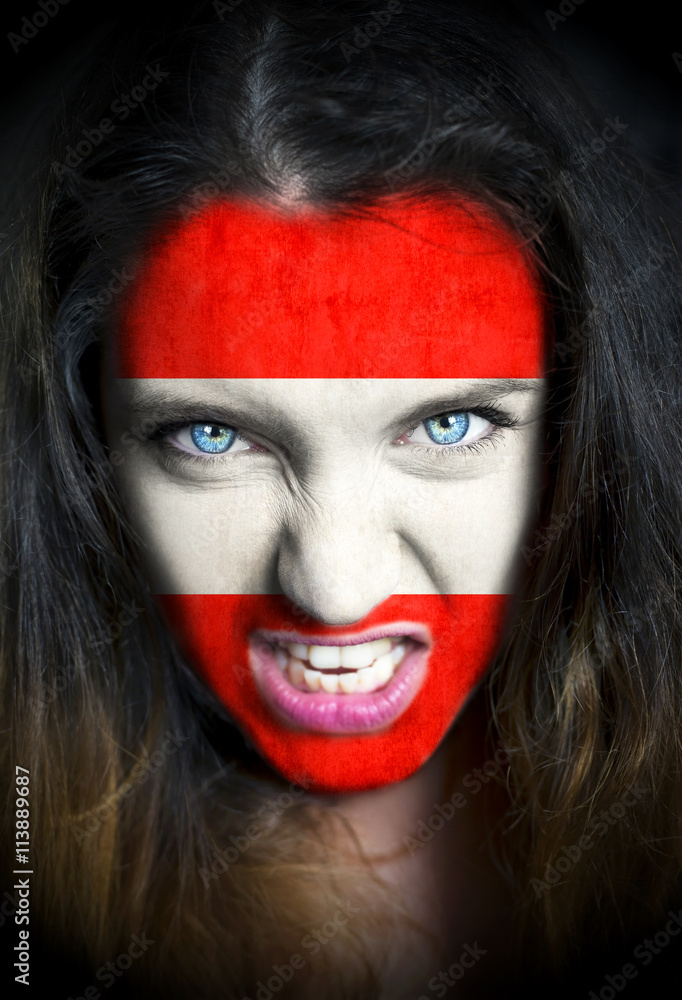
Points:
454	428
208	439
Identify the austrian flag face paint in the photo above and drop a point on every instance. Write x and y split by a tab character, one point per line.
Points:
331	427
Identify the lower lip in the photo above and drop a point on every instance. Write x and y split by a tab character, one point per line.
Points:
338	714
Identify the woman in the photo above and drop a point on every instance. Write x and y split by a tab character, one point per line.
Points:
235	179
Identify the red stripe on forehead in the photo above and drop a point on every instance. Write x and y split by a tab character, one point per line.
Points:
411	291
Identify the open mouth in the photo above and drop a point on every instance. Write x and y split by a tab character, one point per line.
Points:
364	667
351	685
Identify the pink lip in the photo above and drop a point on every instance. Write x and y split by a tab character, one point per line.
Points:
416	632
320	712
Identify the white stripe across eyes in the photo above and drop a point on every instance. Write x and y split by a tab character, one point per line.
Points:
206	524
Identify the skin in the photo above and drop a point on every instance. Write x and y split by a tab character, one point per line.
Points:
338	515
340	521
335	497
456	902
313	522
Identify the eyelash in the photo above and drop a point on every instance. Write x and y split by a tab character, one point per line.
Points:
175	455
499	418
491	412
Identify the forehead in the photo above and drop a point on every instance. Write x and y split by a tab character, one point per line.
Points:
426	290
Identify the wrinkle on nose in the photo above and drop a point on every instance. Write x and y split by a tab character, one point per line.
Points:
338	557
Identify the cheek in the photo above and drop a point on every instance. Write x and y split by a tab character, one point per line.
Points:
467	536
202	540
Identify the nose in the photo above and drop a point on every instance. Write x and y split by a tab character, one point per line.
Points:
338	556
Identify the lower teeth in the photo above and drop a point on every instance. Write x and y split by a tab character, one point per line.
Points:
341	681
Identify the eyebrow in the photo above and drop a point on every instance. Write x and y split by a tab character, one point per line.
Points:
142	397
480	393
164	405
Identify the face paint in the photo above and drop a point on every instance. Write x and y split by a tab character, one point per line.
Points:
390	733
406	292
424	291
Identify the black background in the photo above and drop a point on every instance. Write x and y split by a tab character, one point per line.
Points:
624	52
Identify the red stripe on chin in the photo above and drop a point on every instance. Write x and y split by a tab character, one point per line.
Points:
465	631
413	291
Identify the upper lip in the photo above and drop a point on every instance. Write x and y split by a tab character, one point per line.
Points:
393	630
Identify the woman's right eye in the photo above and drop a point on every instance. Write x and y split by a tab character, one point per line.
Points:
208	439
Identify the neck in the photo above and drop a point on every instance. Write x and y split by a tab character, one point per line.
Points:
428	838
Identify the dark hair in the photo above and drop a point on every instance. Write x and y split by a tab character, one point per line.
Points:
340	105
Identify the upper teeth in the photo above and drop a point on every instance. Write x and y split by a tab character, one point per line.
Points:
369	665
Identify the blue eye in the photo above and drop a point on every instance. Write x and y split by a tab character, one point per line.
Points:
449	428
212	438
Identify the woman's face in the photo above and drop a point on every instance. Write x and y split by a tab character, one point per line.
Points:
329	432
